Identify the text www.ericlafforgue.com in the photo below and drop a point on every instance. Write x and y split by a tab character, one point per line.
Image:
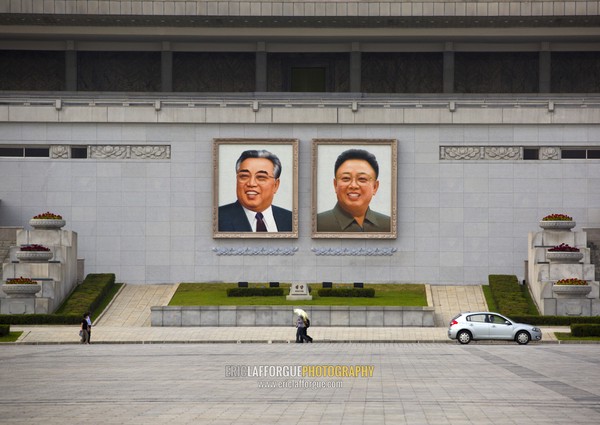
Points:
301	383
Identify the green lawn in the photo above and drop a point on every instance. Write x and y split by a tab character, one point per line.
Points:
566	336
215	294
11	337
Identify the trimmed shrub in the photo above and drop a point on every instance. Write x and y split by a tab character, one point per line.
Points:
347	292
4	330
40	319
255	292
508	295
555	320
88	295
585	329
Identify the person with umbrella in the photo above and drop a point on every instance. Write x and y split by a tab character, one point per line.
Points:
302	324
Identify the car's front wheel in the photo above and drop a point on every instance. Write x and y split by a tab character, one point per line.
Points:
523	338
464	337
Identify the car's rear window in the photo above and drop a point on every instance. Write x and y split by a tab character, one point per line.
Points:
476	318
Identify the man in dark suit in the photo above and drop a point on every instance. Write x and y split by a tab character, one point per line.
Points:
257	177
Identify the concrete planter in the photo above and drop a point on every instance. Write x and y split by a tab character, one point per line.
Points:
342	316
42	223
571	291
564	256
33	256
557	225
16	290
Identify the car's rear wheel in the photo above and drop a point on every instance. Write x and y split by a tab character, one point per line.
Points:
464	337
523	338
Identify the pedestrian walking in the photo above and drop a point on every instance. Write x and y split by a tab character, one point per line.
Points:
85	329
89	320
302	324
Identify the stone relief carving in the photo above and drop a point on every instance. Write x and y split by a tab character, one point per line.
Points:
130	152
496	153
460	152
255	251
354	251
108	152
151	152
549	153
502	152
59	152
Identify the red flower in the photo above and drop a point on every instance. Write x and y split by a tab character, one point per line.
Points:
33	247
571	281
563	247
48	216
21	281
557	217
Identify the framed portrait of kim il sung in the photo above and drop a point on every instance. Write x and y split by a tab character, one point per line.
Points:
354	188
255	188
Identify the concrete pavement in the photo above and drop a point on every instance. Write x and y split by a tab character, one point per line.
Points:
410	384
127	320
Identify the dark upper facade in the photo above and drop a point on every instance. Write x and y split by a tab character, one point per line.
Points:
374	47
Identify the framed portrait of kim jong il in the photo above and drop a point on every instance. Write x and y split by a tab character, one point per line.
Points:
255	188
354	189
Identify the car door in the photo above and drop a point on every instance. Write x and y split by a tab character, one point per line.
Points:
476	323
499	328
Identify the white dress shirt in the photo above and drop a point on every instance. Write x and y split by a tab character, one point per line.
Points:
267	218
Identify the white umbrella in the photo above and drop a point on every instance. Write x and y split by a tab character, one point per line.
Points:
300	312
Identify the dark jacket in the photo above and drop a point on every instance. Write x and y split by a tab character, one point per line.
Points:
232	218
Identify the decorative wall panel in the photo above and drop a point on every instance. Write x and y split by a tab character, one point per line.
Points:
575	72
118	71
214	72
484	72
402	73
32	70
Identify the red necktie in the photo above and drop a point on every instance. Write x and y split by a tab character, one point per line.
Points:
260	224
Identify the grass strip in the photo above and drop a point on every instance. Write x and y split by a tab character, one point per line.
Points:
391	294
11	337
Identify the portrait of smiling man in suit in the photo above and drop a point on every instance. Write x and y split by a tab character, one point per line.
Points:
258	172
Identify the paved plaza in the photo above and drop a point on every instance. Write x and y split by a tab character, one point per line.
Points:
193	383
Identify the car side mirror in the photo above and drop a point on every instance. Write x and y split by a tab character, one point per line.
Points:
507	323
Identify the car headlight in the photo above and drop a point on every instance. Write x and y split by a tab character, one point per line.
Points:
536	329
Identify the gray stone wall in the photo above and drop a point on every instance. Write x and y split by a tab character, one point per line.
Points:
342	316
149	220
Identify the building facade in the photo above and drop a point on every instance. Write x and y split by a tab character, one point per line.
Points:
109	112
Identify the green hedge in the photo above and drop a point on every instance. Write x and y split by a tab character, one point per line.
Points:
89	295
255	292
4	330
585	329
508	295
40	319
555	320
347	292
86	297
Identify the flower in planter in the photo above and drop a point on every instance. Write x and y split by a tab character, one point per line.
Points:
571	281
563	247
21	281
48	216
557	217
34	247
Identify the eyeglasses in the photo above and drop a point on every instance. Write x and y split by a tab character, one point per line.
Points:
260	178
360	180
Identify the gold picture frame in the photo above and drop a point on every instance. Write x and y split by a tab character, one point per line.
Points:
227	221
327	206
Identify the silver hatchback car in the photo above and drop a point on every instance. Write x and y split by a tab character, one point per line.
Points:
466	327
